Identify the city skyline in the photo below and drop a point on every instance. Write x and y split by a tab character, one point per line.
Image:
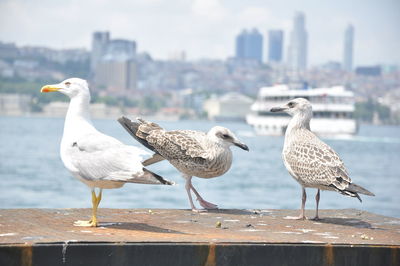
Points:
205	29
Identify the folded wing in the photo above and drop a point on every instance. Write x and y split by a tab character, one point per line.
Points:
177	144
100	157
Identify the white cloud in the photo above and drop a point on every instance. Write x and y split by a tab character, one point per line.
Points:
254	16
209	9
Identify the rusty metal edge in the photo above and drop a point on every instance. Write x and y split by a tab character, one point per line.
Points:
196	253
70	243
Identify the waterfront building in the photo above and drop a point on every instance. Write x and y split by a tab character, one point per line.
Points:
15	104
231	106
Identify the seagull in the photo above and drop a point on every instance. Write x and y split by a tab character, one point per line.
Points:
193	153
98	160
310	161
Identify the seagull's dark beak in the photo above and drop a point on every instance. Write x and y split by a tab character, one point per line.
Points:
277	109
241	145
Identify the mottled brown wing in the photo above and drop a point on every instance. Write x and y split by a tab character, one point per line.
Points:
178	144
315	163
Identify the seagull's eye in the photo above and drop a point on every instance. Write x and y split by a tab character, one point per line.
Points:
291	104
225	136
67	83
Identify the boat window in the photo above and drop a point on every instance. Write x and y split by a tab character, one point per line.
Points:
325	114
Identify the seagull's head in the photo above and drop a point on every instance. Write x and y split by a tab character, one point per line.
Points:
295	106
71	87
225	137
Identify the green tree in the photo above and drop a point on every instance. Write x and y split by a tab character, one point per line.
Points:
364	111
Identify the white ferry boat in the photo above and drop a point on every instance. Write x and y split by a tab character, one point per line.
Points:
333	110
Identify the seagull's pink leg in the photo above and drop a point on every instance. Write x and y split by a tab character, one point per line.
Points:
188	186
303	203
203	203
316	218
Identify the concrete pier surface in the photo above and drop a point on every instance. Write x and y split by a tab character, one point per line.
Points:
181	237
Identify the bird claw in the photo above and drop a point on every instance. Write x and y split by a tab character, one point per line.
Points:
301	217
85	223
316	218
207	205
198	210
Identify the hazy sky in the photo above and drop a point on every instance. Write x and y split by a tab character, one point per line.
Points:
206	28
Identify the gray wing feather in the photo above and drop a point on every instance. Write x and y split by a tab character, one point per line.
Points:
100	157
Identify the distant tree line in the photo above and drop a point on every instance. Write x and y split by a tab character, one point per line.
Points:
32	88
370	110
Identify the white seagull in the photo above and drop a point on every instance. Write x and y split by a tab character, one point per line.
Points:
310	161
193	153
98	160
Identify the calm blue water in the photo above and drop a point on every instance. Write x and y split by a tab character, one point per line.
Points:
33	176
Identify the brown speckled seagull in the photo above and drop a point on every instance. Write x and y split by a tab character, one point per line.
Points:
193	153
309	160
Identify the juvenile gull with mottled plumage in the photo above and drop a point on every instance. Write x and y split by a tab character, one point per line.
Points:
193	153
309	160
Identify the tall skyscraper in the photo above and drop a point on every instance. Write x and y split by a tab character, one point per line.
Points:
100	42
249	45
117	76
121	49
113	63
240	44
254	45
348	48
297	53
275	44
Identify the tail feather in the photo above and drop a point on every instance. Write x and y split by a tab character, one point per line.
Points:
358	189
152	160
147	177
133	130
352	191
151	175
349	194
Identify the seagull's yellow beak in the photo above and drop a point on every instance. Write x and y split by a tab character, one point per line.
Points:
49	88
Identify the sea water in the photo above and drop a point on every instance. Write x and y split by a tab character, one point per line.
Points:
33	176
